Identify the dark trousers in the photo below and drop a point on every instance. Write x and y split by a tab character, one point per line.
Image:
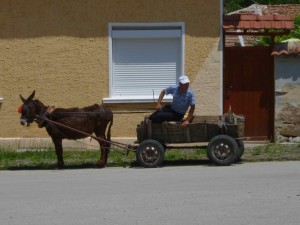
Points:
165	114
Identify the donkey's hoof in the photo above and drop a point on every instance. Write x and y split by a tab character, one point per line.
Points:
101	164
60	165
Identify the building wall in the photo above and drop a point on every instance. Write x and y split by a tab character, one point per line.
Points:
287	92
60	49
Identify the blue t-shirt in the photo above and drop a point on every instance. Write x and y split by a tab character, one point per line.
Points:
182	102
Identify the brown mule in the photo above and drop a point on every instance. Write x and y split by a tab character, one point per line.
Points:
90	119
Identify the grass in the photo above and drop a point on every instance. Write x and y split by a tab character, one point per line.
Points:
273	152
46	159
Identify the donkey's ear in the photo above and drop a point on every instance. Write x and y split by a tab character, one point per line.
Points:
31	96
23	99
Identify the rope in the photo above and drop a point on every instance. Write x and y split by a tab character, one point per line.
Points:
118	144
115	149
96	113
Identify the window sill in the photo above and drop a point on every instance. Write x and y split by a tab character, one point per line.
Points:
135	99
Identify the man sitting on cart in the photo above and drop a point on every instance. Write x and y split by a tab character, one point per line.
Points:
183	98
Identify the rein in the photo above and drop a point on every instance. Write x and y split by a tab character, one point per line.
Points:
94	113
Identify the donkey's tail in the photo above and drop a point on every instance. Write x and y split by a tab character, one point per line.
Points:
108	134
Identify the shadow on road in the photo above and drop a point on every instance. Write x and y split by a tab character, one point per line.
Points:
93	165
188	162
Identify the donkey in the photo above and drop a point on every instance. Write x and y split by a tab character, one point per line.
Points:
88	120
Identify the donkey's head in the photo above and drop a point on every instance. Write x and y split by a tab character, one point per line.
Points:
27	110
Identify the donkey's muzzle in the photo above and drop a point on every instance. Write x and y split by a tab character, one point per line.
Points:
23	122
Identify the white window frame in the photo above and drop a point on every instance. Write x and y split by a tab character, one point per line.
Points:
140	26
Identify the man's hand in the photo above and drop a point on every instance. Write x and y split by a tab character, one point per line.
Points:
185	123
189	117
158	106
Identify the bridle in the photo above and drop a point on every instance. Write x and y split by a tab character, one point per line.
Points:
28	117
25	114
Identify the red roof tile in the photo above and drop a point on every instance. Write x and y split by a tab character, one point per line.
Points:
287	48
257	22
266	12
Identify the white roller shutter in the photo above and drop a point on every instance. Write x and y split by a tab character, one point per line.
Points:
144	59
141	66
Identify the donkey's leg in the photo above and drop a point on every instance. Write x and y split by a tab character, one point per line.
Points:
100	133
103	155
59	152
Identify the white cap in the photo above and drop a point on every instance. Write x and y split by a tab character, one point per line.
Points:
184	79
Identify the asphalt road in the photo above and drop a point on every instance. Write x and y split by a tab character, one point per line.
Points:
249	193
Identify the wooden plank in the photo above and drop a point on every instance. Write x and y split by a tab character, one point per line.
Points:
205	131
187	134
165	133
202	119
149	128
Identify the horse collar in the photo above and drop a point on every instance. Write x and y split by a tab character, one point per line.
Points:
40	121
49	110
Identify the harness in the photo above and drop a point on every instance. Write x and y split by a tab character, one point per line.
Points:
50	115
40	121
24	108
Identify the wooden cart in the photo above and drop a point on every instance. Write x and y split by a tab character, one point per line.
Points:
220	134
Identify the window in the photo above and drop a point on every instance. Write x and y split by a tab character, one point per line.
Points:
144	59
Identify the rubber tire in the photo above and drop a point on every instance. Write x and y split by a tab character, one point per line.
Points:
150	148
229	144
241	150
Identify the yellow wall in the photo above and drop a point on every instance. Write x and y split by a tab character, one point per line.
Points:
60	49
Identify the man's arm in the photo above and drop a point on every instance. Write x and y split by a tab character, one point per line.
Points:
160	98
189	117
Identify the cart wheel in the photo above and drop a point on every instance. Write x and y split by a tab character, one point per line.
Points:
150	153
241	150
222	150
